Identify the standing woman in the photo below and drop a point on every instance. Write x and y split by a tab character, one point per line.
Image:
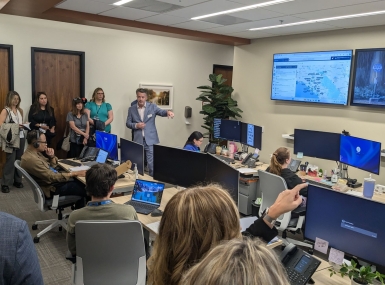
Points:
78	122
12	113
98	109
42	116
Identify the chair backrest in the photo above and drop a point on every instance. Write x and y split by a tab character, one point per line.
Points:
110	252
38	194
271	185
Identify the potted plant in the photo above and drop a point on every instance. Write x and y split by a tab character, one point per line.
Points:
217	103
363	275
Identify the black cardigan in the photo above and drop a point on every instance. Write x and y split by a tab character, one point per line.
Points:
260	229
292	180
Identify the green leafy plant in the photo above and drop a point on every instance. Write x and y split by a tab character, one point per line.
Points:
362	275
217	103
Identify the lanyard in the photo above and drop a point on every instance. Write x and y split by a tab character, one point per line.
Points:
106	202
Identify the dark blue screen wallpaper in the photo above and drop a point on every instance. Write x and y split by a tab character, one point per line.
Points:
360	153
108	142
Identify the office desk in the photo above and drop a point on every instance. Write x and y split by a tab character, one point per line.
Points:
122	185
322	276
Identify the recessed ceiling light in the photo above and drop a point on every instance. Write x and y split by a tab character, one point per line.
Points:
320	20
119	3
260	5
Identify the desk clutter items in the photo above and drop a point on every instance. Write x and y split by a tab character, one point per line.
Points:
312	170
369	185
123	167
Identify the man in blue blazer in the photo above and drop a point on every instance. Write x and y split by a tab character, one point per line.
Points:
18	259
141	119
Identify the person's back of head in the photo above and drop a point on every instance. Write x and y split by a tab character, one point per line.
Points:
99	180
279	158
236	262
194	221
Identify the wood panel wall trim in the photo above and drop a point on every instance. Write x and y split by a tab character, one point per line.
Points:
10	61
3	3
81	54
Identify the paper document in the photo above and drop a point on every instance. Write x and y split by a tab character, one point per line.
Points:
245	170
154	227
26	125
321	245
79	168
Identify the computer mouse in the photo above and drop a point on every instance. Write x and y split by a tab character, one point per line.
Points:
156	213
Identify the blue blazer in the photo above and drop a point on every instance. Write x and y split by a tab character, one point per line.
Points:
191	147
150	113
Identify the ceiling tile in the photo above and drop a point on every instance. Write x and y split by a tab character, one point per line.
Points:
86	6
256	14
127	13
184	3
310	28
196	25
302	6
106	1
251	34
377	20
165	20
225	20
205	8
276	21
232	29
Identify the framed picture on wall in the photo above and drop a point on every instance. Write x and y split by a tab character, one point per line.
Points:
161	95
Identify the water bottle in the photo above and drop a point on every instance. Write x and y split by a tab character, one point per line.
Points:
369	184
135	171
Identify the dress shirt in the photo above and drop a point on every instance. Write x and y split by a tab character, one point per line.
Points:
141	114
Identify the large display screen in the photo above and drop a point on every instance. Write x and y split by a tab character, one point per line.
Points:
227	130
317	77
109	142
251	135
368	78
360	153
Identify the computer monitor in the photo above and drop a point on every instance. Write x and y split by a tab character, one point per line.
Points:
179	167
317	144
360	153
349	223
109	142
227	130
134	152
251	135
223	174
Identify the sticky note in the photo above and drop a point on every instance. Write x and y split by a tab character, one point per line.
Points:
321	245
336	256
299	154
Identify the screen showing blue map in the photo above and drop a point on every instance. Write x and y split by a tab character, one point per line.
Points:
108	142
369	78
316	77
148	192
360	153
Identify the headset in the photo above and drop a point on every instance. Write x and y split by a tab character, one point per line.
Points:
36	144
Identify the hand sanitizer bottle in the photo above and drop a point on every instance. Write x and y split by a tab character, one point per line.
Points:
135	171
369	184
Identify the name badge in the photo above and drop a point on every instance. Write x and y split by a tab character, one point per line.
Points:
149	116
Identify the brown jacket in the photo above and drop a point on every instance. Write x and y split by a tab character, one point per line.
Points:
38	166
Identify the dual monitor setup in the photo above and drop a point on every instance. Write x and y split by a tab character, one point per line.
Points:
246	134
357	152
325	76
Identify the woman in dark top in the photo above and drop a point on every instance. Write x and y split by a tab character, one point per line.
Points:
194	141
42	116
278	165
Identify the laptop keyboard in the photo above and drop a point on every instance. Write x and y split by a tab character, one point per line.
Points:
227	159
316	183
70	162
141	205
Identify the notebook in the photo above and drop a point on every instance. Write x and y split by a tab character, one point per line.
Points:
101	158
146	196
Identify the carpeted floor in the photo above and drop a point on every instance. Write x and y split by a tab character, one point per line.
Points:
52	246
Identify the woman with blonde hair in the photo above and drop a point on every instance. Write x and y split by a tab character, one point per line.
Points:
12	114
98	109
196	220
237	262
279	163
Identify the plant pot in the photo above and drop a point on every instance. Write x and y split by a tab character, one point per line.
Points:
356	283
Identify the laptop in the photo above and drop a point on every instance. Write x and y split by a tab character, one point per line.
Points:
146	196
101	158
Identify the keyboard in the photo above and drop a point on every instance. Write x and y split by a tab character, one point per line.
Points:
142	208
316	183
90	163
224	158
70	162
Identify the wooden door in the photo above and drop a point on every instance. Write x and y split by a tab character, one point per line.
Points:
6	84
226	71
60	74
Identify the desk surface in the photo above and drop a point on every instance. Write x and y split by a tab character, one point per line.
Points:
126	183
322	276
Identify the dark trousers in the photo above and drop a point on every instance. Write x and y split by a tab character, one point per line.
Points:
149	154
75	150
10	173
72	188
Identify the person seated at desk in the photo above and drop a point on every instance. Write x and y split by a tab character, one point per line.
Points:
196	220
278	165
238	262
100	181
194	141
42	169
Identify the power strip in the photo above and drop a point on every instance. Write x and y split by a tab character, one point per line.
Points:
379	188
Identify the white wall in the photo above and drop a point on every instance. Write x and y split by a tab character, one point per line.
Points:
118	61
252	82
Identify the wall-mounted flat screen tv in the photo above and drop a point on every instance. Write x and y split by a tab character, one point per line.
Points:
368	88
315	77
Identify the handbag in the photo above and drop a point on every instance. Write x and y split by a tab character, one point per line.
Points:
64	143
99	125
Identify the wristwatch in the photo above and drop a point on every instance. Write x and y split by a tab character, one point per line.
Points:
267	218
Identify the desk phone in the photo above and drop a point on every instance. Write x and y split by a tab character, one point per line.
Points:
300	266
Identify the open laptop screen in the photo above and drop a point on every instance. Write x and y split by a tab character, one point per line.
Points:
148	192
102	156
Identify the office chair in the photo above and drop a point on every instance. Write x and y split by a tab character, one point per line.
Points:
56	203
271	185
109	252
